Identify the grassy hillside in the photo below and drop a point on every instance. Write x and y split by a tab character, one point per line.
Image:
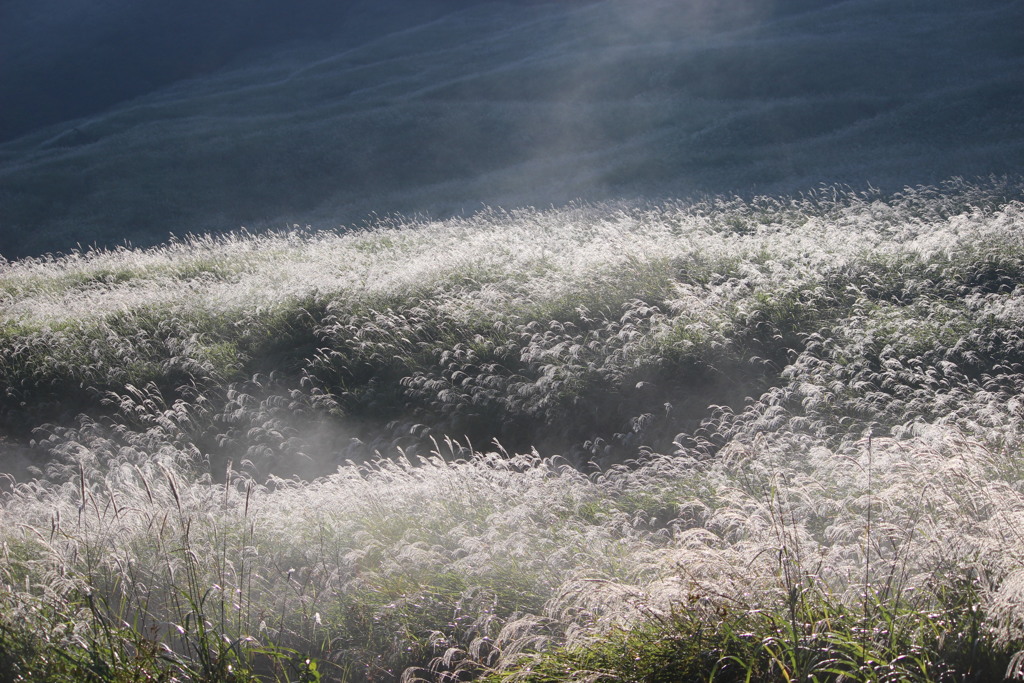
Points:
775	439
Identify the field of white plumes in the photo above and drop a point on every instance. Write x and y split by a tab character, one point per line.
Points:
766	439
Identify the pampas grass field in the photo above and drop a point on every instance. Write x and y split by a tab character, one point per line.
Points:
764	439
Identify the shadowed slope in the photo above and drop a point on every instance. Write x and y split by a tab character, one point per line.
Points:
512	105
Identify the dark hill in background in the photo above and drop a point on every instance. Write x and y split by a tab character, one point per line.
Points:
63	59
265	114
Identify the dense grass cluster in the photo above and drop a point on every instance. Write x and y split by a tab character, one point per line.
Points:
774	439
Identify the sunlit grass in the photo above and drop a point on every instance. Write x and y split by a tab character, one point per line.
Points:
764	440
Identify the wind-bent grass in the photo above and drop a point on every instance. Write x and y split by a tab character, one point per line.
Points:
788	438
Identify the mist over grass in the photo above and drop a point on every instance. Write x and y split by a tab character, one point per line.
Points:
719	440
772	435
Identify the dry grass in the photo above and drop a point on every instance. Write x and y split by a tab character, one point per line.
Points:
788	426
